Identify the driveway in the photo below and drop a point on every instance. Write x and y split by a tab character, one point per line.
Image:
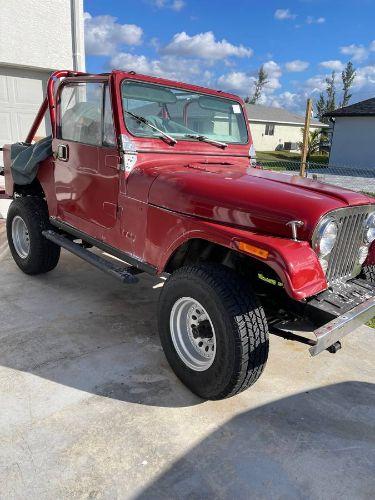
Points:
91	409
346	179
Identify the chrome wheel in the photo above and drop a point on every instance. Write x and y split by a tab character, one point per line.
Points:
20	237
193	334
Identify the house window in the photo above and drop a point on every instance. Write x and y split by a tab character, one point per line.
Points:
270	129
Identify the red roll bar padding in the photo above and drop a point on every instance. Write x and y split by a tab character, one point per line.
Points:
49	102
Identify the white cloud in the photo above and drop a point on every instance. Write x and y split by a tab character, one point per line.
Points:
172	67
176	5
274	72
297	65
205	46
364	83
334	65
282	14
242	83
288	100
315	84
103	35
372	46
237	82
315	20
358	53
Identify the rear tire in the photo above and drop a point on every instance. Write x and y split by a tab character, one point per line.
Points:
32	252
223	353
369	273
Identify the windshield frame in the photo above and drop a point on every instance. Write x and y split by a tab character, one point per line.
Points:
235	99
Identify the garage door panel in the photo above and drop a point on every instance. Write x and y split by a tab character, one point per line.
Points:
5	127
27	91
21	93
24	121
4	94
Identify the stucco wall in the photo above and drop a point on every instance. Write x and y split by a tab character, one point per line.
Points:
38	33
283	133
353	142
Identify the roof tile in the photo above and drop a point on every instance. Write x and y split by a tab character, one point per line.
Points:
271	114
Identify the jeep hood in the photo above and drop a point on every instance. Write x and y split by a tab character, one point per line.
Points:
258	200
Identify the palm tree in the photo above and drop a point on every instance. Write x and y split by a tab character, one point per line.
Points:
313	147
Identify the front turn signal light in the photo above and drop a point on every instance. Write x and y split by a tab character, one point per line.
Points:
253	250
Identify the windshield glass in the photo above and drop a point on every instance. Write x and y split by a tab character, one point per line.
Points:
182	114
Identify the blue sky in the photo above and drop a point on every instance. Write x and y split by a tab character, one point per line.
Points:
222	44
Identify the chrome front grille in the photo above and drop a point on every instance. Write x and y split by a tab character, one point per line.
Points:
343	261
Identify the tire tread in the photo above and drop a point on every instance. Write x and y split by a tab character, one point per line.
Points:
252	339
44	254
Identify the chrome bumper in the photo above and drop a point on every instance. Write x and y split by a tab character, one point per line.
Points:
336	329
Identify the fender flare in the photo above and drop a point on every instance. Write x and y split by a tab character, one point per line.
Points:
295	262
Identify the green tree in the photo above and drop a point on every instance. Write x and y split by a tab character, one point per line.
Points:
321	107
347	76
327	100
259	85
331	92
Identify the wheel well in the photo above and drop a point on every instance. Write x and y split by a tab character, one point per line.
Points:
198	250
32	189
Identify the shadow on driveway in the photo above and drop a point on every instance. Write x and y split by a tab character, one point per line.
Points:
318	444
83	329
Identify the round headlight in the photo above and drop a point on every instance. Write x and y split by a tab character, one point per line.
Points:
370	228
326	237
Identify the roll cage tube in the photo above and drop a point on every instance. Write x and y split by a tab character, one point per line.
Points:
49	103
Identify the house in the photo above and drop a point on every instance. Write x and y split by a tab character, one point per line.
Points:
276	128
353	134
36	37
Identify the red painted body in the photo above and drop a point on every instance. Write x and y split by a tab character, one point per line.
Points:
189	190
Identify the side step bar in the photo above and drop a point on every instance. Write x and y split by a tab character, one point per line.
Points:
125	275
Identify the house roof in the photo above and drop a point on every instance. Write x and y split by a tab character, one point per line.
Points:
260	113
362	108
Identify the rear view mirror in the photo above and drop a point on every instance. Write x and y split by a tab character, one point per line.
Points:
146	92
215	104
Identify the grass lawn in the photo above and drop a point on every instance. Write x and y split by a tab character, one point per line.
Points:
371	323
289	156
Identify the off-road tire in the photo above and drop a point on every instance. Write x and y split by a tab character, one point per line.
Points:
43	255
239	323
369	273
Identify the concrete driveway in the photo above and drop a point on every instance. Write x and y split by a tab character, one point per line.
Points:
90	408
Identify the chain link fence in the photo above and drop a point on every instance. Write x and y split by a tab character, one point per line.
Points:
354	178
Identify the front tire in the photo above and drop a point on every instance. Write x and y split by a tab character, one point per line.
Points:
32	252
213	330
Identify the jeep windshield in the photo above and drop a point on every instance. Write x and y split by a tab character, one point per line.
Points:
182	114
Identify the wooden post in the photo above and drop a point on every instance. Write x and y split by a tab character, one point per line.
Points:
306	132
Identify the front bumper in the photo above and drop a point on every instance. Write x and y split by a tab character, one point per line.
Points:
336	329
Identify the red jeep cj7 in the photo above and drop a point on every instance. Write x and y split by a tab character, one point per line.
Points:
162	175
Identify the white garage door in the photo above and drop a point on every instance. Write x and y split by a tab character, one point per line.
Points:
21	93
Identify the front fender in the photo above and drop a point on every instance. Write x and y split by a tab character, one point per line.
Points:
294	262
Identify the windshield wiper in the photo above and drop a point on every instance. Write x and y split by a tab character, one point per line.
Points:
203	138
143	120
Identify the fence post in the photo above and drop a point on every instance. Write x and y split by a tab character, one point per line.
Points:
306	132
